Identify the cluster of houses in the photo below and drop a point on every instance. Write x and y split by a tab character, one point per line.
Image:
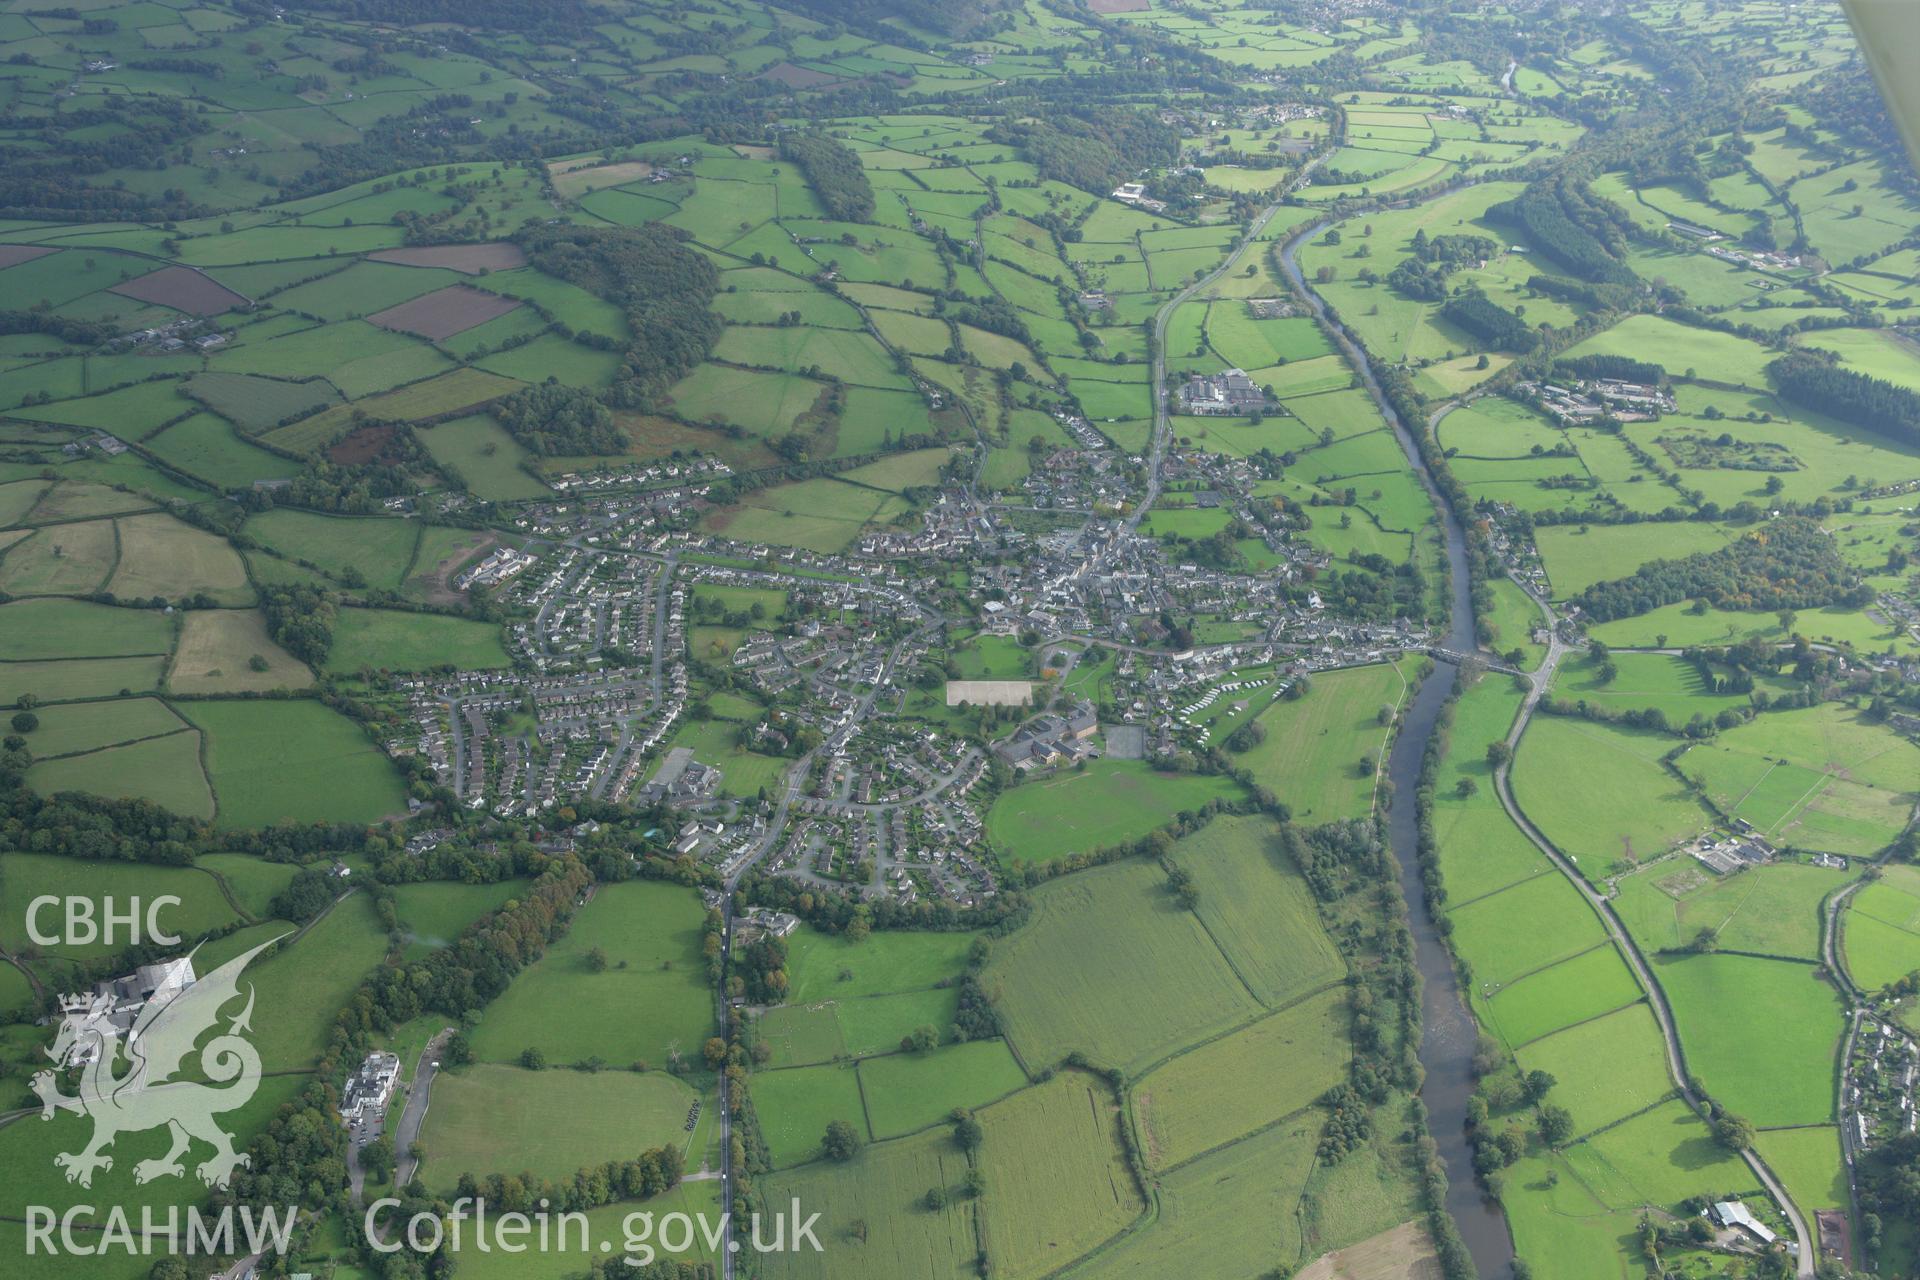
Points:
501	565
639	475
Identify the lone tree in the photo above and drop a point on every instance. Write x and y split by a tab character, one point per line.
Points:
1498	754
840	1141
1735	1133
1556	1125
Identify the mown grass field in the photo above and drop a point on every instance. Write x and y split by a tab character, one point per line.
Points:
1108	803
1313	748
1623	808
1058	1177
1777	1070
278	761
488	1118
650	1001
1112	966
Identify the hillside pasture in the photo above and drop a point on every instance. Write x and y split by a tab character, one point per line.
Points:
1310	756
1107	804
650	1002
1060	1182
488	1118
217	650
1112	966
275	761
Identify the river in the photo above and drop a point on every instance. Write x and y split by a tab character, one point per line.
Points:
1448	1030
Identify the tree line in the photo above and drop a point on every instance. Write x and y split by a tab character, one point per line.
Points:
664	287
834	172
1818	382
1786	563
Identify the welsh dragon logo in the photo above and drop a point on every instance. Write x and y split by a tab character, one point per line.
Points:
151	1093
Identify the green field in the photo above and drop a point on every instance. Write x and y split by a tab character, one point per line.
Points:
397	641
1608	1068
1576	557
1103	948
164	770
1058	1180
481	452
1252	896
1775	1071
795	1106
379	551
1668	682
823	966
907	1092
295	761
499	1119
1880	930
1822	777
649	1004
434	914
1623	809
881	1195
1196	1101
1108	803
201	909
306	982
1310	758
1770	910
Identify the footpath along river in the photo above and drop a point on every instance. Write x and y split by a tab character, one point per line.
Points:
1448	1032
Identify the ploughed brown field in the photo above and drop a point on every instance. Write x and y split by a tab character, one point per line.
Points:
183	289
14	254
444	312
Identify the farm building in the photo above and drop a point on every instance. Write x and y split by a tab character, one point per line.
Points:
1228	392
